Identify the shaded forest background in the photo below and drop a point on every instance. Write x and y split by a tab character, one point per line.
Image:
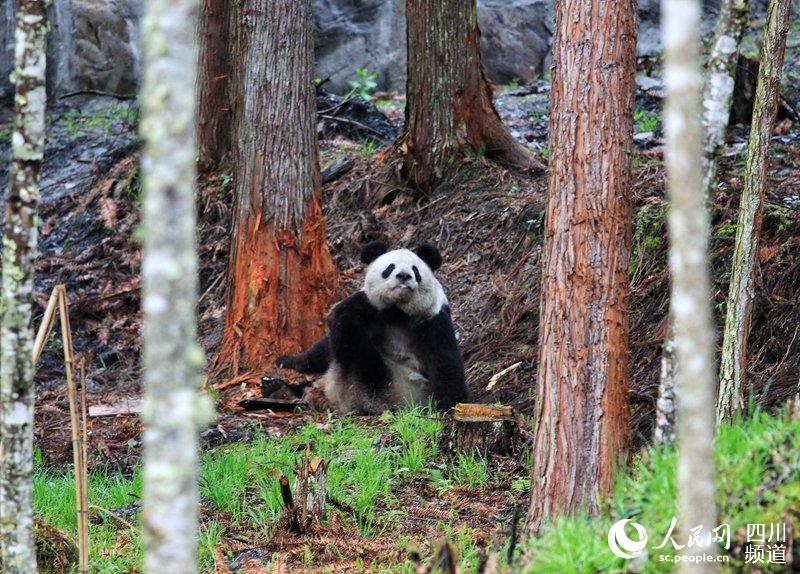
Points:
487	221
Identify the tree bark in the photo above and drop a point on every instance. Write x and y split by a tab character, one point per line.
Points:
172	359
449	109
733	367
688	261
214	107
717	96
583	380
17	389
281	277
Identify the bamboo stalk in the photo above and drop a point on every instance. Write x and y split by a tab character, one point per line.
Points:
77	443
47	325
84	467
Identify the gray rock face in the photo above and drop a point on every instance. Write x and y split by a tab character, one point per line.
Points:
93	44
106	55
6	48
352	34
515	38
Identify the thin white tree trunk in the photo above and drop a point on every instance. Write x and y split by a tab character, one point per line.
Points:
17	388
748	230
172	359
688	261
717	95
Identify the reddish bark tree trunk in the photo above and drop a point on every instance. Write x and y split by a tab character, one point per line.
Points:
582	386
213	107
449	100
280	274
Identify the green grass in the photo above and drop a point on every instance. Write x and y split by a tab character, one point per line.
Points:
111	551
368	148
240	482
757	463
76	123
758	481
648	235
645	121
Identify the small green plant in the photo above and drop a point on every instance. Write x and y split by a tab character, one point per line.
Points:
5	136
544	151
645	121
363	85
648	234
512	86
470	470
536	224
367	149
77	123
726	230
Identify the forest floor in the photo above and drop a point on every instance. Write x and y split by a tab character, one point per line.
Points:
488	223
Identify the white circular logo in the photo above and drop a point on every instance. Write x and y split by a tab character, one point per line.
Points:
621	544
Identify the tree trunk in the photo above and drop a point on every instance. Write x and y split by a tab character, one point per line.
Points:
17	390
214	107
281	276
733	367
717	95
691	285
172	359
665	405
449	109
582	386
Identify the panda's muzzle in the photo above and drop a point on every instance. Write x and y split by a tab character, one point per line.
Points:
403	276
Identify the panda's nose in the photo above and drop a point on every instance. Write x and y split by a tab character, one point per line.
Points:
403	276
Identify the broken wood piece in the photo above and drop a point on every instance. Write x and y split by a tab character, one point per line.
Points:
488	429
497	376
336	169
261	404
445	559
126	407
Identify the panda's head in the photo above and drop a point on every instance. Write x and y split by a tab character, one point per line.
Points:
404	279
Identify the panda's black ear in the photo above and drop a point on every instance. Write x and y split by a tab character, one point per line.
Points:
372	250
430	255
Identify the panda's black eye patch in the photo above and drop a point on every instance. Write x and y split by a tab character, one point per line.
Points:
417	276
388	271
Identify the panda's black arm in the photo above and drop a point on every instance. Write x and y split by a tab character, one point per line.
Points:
435	343
314	361
351	347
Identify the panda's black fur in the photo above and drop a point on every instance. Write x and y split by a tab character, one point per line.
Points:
391	343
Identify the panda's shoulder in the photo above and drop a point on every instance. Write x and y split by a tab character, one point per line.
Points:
357	303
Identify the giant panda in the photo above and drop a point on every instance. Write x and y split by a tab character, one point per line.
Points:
391	343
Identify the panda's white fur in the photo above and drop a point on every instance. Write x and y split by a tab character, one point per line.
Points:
425	299
417	299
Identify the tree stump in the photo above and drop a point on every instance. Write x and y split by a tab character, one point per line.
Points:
305	510
486	428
